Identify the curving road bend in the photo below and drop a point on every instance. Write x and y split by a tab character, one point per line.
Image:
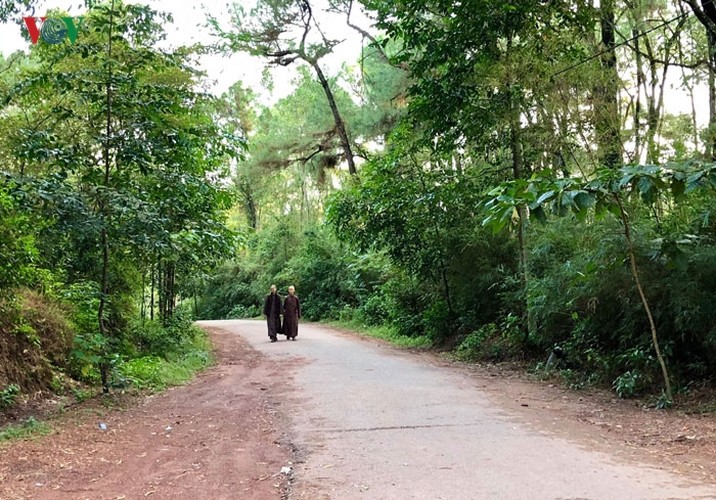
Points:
373	423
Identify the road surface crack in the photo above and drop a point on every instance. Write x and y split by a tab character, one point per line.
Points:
398	427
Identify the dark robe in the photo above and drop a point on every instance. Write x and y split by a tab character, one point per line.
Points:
272	311
291	315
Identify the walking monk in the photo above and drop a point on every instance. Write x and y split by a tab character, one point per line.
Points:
272	311
291	314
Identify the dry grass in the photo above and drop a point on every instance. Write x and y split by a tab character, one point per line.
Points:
35	340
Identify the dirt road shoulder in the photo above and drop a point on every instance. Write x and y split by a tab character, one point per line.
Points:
221	436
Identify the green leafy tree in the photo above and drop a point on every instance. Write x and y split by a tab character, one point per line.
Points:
604	194
706	14
286	31
117	147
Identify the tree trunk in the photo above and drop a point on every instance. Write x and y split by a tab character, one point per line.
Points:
151	295
104	209
160	290
637	107
172	289
652	119
518	172
104	292
706	14
690	86
653	111
249	202
143	306
251	211
438	237
606	105
642	296
168	286
340	126
656	97
711	138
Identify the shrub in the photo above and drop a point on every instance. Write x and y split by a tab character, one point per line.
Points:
628	384
35	340
471	346
492	342
155	372
241	311
143	372
157	339
8	396
26	429
232	286
437	321
374	311
405	302
87	352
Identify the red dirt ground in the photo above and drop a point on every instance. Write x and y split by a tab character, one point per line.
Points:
219	437
224	435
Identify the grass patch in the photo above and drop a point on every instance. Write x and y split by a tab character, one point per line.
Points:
387	333
27	429
177	368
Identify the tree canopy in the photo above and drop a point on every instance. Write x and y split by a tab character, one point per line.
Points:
505	179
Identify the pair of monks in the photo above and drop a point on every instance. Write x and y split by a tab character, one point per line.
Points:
290	307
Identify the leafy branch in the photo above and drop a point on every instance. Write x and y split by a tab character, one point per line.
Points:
541	196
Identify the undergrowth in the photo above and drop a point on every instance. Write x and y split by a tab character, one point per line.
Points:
384	332
27	429
157	372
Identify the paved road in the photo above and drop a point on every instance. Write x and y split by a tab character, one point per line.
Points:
378	424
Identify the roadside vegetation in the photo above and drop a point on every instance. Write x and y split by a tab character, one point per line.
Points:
540	200
108	212
27	429
500	180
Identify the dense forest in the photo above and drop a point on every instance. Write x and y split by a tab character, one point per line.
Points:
522	180
109	203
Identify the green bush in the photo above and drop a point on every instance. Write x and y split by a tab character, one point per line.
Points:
628	384
470	349
374	310
27	429
484	281
583	298
492	342
325	275
8	396
157	339
405	302
234	285
87	352
437	321
144	372
18	245
173	368
241	311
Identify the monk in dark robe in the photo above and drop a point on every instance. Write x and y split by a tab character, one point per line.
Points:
272	311
291	314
